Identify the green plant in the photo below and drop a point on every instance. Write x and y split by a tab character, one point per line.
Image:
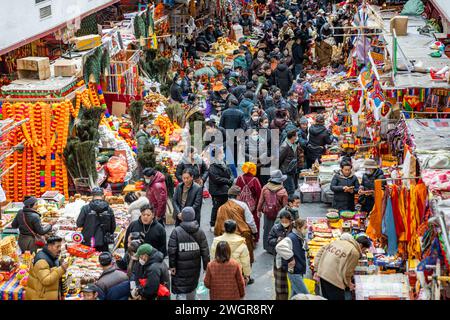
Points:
135	112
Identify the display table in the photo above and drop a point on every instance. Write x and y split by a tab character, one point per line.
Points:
382	287
12	290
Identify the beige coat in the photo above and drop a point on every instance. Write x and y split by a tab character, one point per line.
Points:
43	282
239	250
336	262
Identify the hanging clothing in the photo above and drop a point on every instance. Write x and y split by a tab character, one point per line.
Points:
421	194
388	228
414	250
376	216
399	226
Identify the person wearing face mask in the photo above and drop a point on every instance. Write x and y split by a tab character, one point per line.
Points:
150	279
126	263
258	63
187	84
151	231
367	189
292	208
156	191
220	180
344	185
187	194
176	92
292	256
278	232
253	122
192	160
291	161
265	140
247	105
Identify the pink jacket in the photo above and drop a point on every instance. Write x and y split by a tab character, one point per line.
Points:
157	194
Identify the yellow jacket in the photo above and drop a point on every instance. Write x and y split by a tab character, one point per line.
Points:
239	250
43	282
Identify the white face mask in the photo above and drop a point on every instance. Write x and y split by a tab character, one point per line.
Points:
255	118
265	125
285	225
142	262
147	180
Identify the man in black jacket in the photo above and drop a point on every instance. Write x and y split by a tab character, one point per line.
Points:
298	56
319	137
220	181
291	160
98	222
149	274
113	283
187	194
152	231
196	164
28	221
188	248
187	82
176	92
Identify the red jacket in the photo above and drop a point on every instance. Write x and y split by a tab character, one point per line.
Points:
252	182
225	280
157	194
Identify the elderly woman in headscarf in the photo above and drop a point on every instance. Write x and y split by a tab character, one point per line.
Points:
250	190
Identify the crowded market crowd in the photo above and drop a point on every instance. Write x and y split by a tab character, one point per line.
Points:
254	203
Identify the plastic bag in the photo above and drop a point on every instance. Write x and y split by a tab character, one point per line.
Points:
413	8
117	168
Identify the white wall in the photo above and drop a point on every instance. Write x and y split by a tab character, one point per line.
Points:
20	19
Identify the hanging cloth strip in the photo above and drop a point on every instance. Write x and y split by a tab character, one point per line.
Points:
376	216
399	226
388	227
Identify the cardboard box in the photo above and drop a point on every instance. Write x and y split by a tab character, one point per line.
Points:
118	108
87	42
400	24
65	68
33	68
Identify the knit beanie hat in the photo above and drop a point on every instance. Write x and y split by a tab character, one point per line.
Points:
188	214
144	249
29	203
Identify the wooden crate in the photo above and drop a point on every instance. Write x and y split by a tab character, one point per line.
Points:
65	68
33	68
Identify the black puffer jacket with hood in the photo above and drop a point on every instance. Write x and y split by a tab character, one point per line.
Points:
96	219
319	137
283	78
149	276
188	247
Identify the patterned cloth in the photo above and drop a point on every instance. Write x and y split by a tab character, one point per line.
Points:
12	290
281	284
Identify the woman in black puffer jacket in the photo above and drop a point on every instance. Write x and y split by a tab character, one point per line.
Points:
188	247
220	180
344	185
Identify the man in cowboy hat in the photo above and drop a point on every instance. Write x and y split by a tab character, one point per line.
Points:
238	211
367	188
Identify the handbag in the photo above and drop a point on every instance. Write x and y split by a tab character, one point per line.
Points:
39	240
